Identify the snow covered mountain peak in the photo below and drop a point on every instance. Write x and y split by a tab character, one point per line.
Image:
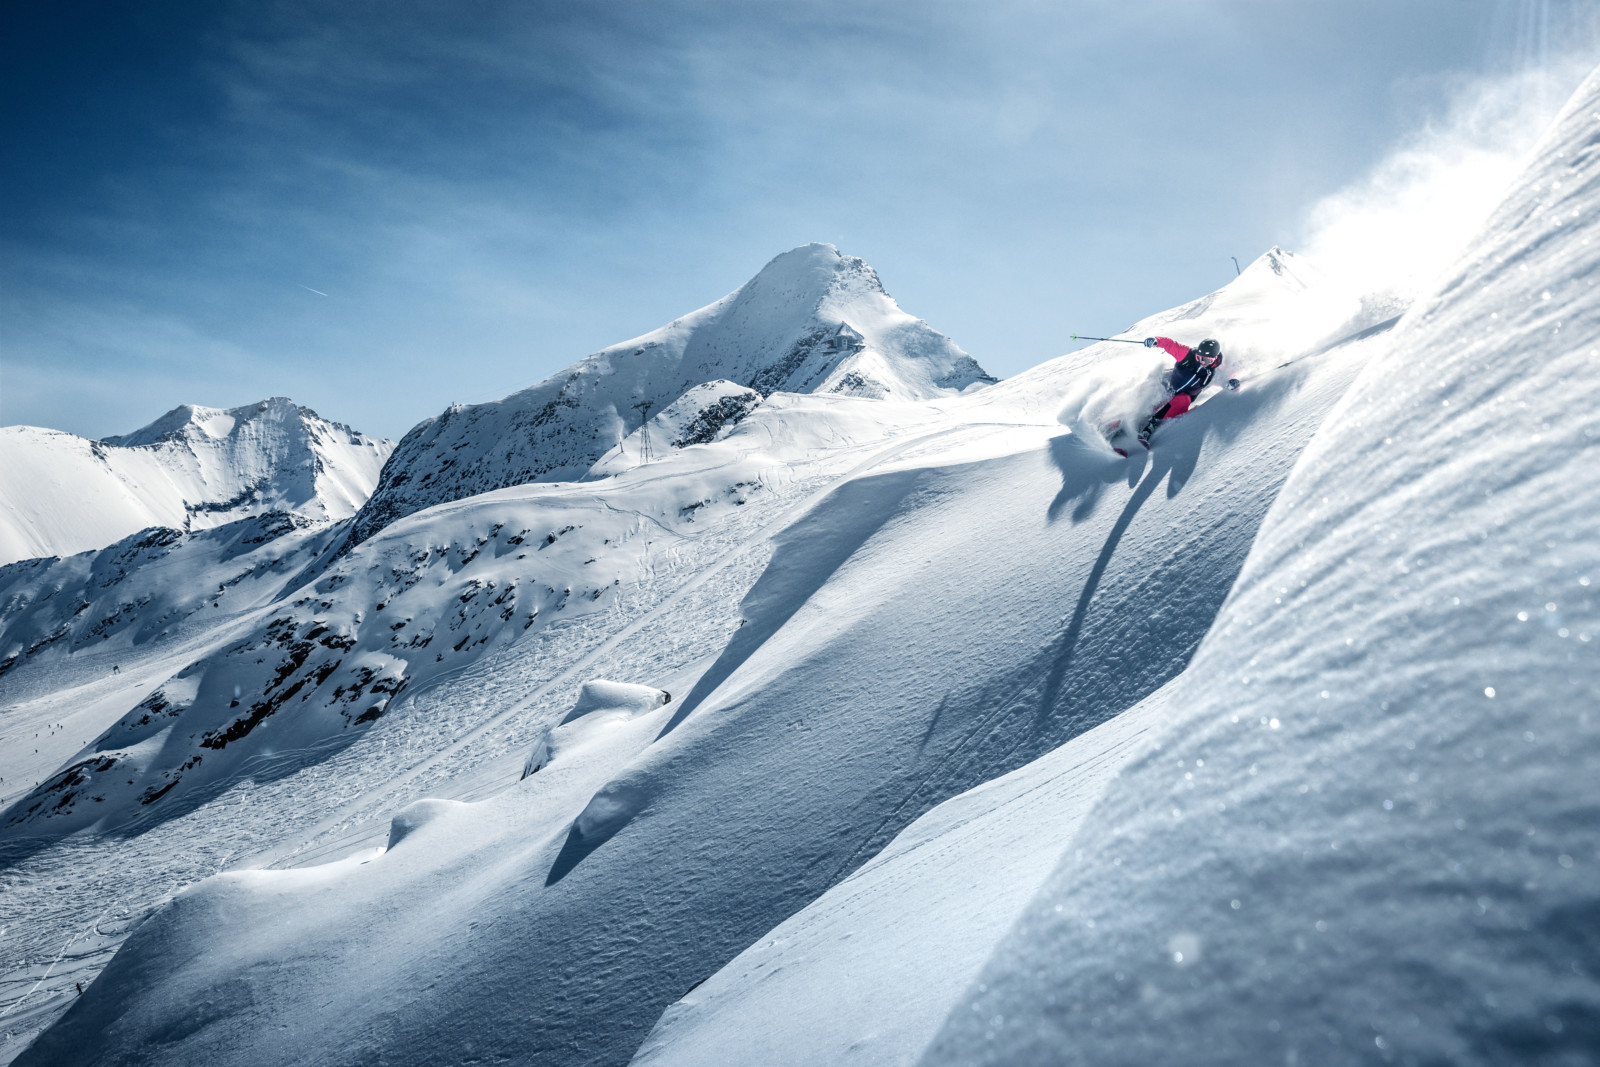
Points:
1283	264
818	267
193	468
817	275
195	420
811	321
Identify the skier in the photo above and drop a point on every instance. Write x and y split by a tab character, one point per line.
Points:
1195	368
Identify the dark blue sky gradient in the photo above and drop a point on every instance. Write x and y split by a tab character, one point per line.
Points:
488	191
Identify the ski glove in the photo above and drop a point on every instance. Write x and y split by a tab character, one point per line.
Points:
1149	342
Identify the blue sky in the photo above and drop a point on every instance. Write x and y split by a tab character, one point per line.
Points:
381	208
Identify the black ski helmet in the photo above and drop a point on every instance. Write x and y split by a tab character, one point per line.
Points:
1209	351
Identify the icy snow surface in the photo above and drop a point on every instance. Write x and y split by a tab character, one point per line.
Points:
861	607
1362	826
191	469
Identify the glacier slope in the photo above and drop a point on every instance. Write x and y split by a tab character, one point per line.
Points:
193	468
960	603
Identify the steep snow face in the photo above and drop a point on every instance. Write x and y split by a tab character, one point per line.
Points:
1367	826
191	469
929	595
866	974
1361	826
811	321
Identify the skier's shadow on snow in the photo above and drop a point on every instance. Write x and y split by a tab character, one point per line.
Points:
1086	474
1174	461
1086	471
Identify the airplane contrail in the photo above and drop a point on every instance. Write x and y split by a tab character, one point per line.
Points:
308	289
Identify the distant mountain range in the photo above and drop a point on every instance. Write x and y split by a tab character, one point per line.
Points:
192	469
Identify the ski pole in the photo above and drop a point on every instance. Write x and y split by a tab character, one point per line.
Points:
1118	340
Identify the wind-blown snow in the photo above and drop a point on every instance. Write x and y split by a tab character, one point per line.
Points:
1279	307
1385	752
191	469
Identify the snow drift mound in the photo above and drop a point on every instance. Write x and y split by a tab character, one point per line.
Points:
811	321
600	706
191	469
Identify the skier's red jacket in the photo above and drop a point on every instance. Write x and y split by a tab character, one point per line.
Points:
1192	373
1173	348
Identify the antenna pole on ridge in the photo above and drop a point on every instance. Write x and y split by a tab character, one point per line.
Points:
644	430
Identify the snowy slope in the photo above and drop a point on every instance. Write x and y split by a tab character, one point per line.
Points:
811	321
932	594
427	598
192	468
463	727
67	623
1361	827
868	972
704	413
